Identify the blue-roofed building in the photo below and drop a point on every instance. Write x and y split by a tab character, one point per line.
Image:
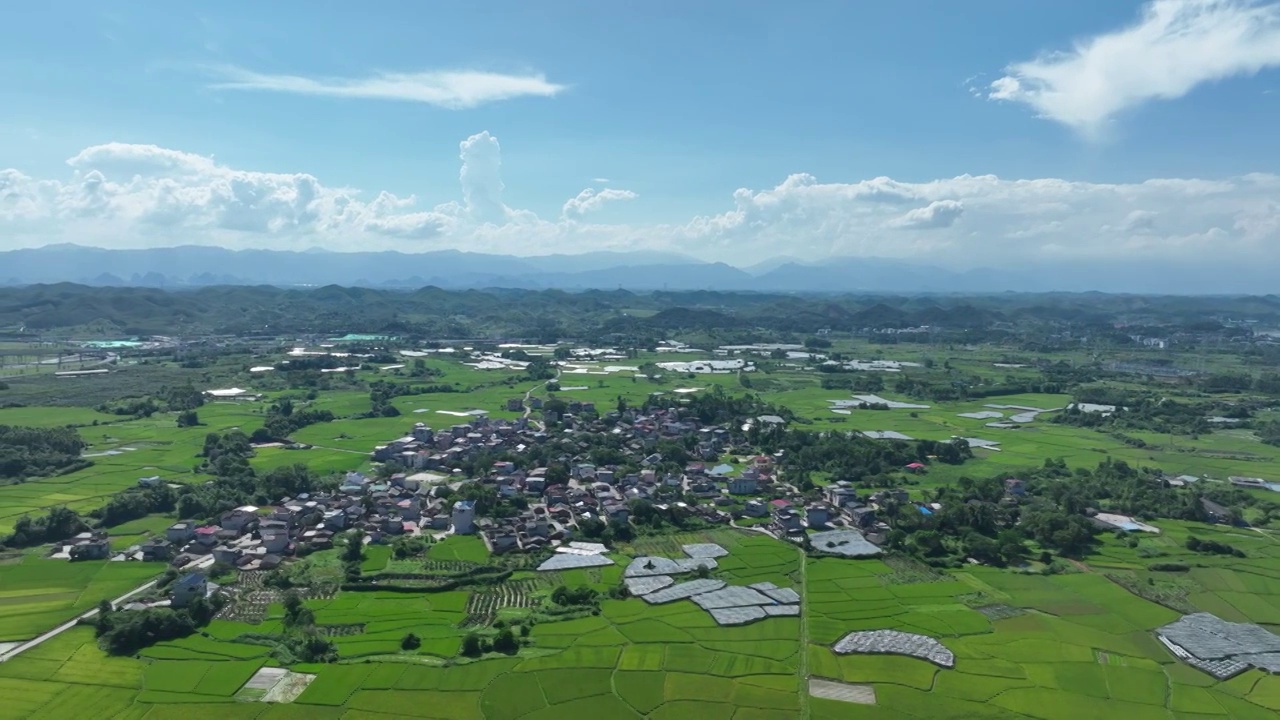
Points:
189	587
464	517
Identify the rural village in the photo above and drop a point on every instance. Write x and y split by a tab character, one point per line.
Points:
433	510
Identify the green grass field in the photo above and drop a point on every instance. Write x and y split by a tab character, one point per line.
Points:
467	548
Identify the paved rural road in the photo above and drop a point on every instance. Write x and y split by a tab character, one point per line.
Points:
734	524
345	450
111	357
18	650
805	712
529	393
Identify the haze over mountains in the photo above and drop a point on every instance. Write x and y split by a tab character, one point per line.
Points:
196	266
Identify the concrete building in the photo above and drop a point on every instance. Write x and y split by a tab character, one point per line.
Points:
188	588
180	532
464	517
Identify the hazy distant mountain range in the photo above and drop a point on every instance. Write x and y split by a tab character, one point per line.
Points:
198	266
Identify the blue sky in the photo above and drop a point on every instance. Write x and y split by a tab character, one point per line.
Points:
112	112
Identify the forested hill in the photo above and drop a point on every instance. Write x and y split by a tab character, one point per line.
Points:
203	266
434	312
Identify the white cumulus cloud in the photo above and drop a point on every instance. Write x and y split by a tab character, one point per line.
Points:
1175	46
452	89
937	214
481	177
124	195
589	200
1004	220
1140	220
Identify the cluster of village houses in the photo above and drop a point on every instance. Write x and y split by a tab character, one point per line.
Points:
413	496
725	493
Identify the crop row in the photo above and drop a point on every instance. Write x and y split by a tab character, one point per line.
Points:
482	607
251	606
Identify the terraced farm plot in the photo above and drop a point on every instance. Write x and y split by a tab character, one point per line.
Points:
844	692
175	676
512	695
334	685
484	605
89	665
459	548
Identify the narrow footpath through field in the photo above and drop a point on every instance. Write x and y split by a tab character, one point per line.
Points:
804	638
528	410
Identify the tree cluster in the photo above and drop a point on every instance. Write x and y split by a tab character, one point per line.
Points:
125	633
407	546
1118	487
296	614
283	420
1212	547
855	458
718	407
135	503
33	452
236	483
59	523
1269	432
1161	415
301	641
975	520
581	595
539	368
180	398
971	523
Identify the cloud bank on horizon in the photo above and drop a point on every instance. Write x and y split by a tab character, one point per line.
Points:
130	195
1175	46
139	195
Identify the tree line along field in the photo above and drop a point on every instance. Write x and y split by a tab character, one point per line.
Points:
1026	646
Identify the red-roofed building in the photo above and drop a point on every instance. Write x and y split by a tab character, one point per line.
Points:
208	535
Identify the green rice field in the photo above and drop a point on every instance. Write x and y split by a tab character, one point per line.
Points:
37	594
1073	645
1027	646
